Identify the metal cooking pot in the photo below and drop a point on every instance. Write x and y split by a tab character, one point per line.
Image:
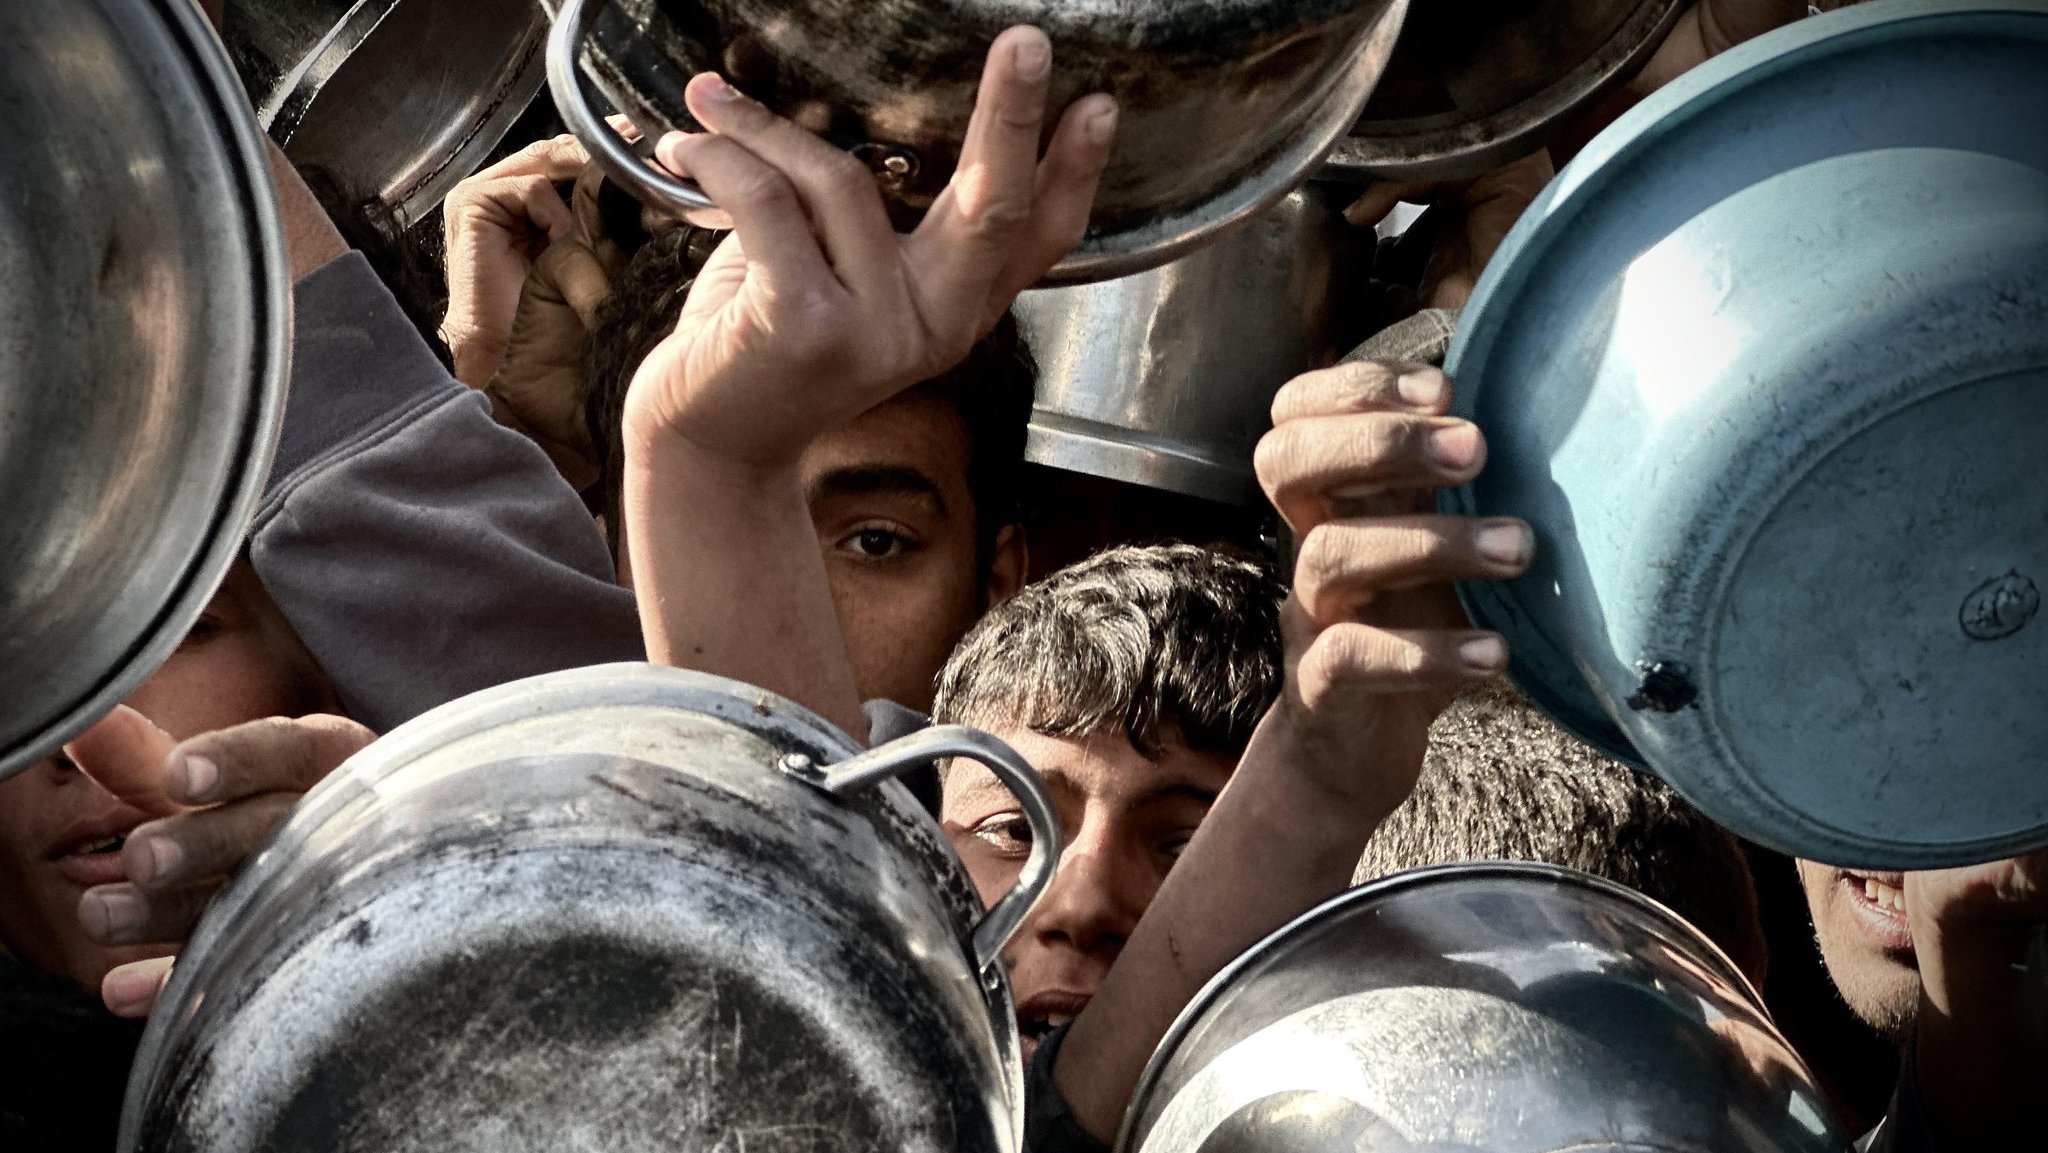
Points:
622	907
1166	378
1473	86
1767	368
143	344
1479	1008
399	99
1224	106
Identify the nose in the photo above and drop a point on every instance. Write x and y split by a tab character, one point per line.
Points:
1096	897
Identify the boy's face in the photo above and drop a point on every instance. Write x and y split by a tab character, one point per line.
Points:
1125	819
1860	919
60	832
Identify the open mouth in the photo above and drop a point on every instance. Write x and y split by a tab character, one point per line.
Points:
93	859
1040	1015
1878	901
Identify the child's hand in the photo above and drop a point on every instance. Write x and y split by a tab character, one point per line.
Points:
815	310
1377	643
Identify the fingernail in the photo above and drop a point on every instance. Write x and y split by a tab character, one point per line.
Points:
1102	125
110	914
1455	446
1484	654
126	988
1031	57
200	777
1421	389
1505	544
717	88
160	857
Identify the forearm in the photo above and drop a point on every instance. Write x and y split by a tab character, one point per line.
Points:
726	568
1981	1038
1276	844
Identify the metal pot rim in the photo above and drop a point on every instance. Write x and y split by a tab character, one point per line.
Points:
245	475
1381	887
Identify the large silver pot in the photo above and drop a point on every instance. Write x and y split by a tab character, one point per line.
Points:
399	99
1479	1008
143	339
1225	106
623	907
1166	378
1473	86
1766	367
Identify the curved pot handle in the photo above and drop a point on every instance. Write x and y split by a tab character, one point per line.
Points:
641	178
905	753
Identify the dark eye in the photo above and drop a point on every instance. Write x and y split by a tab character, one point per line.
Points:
876	542
1008	833
204	629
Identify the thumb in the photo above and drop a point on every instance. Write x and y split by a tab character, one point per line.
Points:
126	753
578	275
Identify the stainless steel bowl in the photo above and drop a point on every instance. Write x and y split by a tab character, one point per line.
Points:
1479	1008
1224	106
143	341
620	907
1166	378
1473	86
1766	367
399	99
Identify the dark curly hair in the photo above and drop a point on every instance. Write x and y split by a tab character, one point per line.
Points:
991	389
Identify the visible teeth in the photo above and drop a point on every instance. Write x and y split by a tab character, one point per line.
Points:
110	845
1055	1020
1884	896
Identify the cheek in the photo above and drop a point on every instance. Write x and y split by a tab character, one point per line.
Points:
900	624
221	683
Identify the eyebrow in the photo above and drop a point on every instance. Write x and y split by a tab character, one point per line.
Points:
877	480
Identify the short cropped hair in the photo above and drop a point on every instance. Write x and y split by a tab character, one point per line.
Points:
1501	781
1164	644
991	389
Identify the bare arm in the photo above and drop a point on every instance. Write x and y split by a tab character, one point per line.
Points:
1376	646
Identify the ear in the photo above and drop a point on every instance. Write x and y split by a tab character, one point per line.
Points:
1008	561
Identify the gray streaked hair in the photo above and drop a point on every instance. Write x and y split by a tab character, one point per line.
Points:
1168	643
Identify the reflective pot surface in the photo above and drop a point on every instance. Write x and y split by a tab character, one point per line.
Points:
622	907
1479	1008
399	99
1224	106
1473	86
1766	367
1166	378
143	340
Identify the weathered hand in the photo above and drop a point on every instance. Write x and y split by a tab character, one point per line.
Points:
497	224
815	310
1480	210
216	796
1377	643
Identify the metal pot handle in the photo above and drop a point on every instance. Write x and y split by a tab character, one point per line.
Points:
903	754
641	178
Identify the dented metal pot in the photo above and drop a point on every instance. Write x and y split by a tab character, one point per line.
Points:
1490	1007
397	99
623	907
1224	106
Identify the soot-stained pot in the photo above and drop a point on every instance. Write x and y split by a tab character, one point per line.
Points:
1224	106
1166	378
399	99
1766	367
1484	1008
144	331
623	908
1472	86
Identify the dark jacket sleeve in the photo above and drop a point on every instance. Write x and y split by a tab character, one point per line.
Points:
1049	1125
420	550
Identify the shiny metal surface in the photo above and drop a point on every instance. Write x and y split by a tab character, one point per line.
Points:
1473	86
143	339
1166	378
1767	368
400	99
1224	107
1479	1008
619	907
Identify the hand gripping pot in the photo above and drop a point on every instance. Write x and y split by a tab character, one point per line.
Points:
397	99
1766	367
1488	1007
624	908
1224	106
144	331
